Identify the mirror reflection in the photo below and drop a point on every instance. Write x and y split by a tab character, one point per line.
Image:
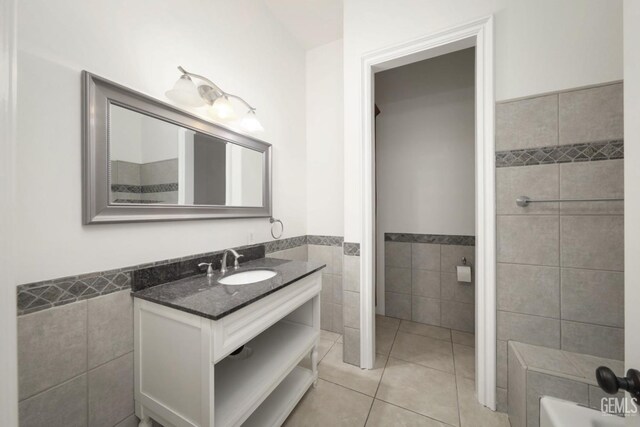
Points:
157	162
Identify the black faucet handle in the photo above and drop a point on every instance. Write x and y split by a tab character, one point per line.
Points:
611	384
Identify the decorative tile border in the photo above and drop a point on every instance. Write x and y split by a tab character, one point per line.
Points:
282	244
142	189
440	239
351	249
325	240
587	152
46	294
38	296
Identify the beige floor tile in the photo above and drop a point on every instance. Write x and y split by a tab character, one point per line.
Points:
390	322
328	335
330	405
465	360
324	346
473	414
341	339
429	392
366	381
425	351
386	415
426	330
464	338
385	335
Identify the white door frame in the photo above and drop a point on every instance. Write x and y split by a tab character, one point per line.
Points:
478	33
8	332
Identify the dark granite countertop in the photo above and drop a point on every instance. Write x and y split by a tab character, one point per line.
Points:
206	297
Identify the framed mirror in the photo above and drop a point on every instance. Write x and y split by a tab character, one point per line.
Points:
145	160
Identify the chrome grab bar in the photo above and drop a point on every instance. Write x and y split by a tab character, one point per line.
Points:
524	201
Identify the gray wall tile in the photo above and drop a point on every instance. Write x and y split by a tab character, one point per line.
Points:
451	256
351	273
398	305
64	406
425	256
52	347
110	327
326	315
457	315
351	309
502	400
336	285
517	391
397	254
536	182
323	254
594	242
601	341
593	296
592	180
528	239
451	289
539	385
425	310
529	329
337	254
594	114
111	392
337	322
327	288
529	289
397	279
351	349
527	123
425	283
548	359
501	363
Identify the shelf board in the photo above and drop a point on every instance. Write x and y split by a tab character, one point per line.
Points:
277	407
242	385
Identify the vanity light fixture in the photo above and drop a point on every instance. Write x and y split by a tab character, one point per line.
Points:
186	92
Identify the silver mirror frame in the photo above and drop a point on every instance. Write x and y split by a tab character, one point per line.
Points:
97	95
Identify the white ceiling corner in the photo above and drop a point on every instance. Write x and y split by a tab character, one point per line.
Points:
311	22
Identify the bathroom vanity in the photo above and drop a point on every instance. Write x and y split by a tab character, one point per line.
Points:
186	332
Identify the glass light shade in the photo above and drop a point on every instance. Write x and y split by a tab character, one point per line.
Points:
222	109
250	123
184	92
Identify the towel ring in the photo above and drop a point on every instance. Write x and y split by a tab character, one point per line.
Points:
272	220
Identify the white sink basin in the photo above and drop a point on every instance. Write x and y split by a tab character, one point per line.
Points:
560	413
246	277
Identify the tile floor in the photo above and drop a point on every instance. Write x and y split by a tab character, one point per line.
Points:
423	376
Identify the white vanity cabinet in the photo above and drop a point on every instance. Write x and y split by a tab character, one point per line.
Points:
185	377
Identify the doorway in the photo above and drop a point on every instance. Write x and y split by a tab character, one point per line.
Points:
479	35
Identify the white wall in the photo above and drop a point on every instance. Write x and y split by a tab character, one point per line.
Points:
139	43
541	46
631	179
325	136
425	146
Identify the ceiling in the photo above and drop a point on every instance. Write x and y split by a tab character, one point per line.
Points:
311	22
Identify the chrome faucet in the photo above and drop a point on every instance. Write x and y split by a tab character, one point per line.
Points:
223	263
209	268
